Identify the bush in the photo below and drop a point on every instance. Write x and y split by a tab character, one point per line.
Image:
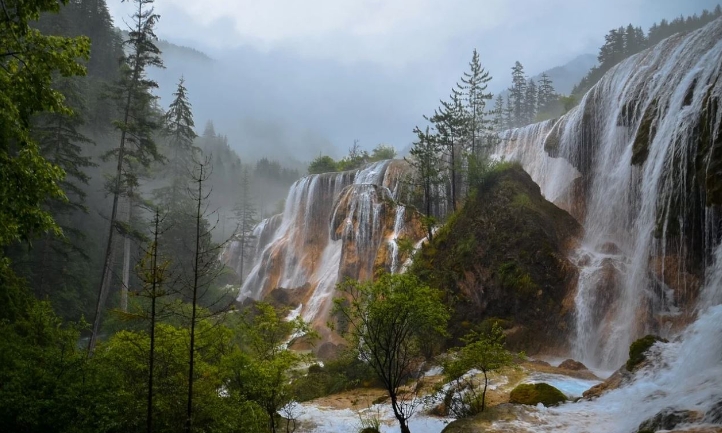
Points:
322	164
336	376
535	393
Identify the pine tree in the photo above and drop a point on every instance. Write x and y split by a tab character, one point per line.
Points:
451	122
204	269
136	148
530	102
427	173
517	94
179	126
473	91
247	218
509	113
547	94
499	123
62	144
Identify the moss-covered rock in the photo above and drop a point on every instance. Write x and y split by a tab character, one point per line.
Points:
503	258
535	393
638	350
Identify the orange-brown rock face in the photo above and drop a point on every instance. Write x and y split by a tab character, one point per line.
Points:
334	226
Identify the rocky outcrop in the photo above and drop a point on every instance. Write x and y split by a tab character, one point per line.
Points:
334	225
504	256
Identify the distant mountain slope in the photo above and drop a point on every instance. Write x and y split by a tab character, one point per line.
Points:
565	77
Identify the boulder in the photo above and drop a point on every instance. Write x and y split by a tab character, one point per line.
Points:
573	365
535	393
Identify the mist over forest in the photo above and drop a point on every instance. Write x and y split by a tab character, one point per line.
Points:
360	216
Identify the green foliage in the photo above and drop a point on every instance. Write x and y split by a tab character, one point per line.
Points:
322	164
535	393
484	352
638	350
28	61
382	152
342	374
262	370
388	321
124	359
42	371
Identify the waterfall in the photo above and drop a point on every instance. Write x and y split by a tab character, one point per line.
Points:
637	163
333	225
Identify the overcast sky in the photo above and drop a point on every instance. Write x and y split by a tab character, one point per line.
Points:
394	58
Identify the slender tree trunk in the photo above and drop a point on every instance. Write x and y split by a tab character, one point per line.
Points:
403	424
154	283
453	178
196	271
427	193
109	250
126	256
243	253
483	394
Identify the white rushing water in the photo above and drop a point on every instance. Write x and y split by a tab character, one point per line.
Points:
629	211
304	246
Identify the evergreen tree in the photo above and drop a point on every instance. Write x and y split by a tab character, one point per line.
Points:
530	102
427	173
509	113
546	94
473	91
54	263
136	126
199	278
499	123
517	94
247	218
179	126
451	122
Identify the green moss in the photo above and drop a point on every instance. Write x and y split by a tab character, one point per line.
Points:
512	277
638	350
521	200
535	393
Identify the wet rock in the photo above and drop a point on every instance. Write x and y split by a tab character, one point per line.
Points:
535	393
539	362
328	350
714	414
614	381
573	365
610	248
668	419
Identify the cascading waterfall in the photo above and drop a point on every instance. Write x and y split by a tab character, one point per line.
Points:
637	163
334	225
553	175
